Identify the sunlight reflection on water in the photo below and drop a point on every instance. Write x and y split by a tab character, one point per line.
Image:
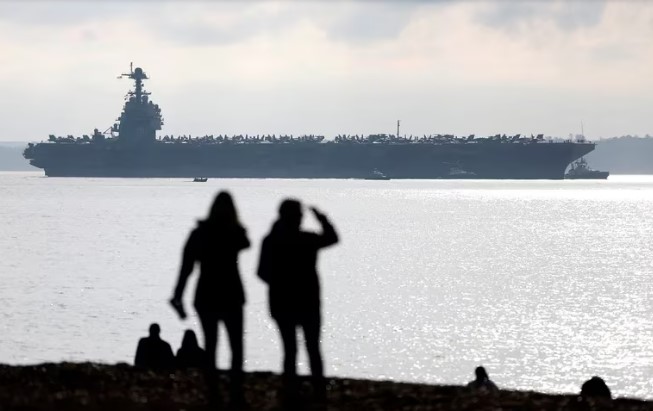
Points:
546	283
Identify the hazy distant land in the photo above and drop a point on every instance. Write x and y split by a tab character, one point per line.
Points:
623	155
619	155
11	158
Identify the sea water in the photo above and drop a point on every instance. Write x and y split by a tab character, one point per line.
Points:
545	283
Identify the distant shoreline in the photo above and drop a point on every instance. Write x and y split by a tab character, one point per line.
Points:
91	386
11	158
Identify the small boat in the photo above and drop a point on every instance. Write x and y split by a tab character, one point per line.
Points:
200	180
377	175
457	172
581	171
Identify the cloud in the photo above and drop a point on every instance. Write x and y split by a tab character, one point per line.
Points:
229	23
331	67
362	23
225	23
528	14
61	13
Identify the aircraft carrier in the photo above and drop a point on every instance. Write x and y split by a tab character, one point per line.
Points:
132	148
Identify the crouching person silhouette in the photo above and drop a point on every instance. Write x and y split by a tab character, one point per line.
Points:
288	264
153	353
190	355
219	296
482	381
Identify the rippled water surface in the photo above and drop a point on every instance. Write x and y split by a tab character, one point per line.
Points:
546	283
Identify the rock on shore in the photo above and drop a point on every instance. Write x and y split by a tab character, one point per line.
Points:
89	386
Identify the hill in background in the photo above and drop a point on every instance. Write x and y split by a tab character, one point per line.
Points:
11	157
623	155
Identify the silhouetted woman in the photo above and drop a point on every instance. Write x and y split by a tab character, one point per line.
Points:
190	355
215	244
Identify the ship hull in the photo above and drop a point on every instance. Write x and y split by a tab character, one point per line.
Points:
593	175
486	160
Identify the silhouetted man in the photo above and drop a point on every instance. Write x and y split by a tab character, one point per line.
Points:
482	381
288	264
154	353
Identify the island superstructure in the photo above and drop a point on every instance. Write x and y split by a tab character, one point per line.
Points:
131	148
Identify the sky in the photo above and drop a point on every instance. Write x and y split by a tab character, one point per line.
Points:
342	67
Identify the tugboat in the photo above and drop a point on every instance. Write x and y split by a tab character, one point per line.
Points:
581	171
456	171
377	175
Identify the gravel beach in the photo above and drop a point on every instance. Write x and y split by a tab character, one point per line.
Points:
90	386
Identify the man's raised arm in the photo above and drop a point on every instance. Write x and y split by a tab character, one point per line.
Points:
328	236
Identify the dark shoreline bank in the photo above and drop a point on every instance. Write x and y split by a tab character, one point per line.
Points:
89	386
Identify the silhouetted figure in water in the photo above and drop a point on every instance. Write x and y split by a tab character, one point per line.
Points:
482	381
215	245
154	353
190	355
288	264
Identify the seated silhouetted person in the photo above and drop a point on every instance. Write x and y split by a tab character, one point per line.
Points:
190	355
154	353
482	381
288	264
596	388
